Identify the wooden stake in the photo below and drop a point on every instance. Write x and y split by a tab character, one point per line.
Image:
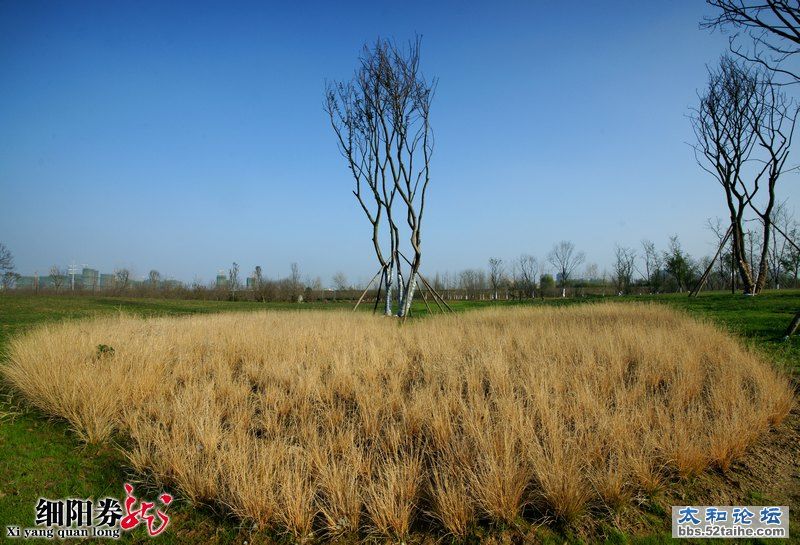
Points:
793	325
433	291
703	278
380	287
367	289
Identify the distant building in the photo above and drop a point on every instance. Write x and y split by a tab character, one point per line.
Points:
107	281
89	279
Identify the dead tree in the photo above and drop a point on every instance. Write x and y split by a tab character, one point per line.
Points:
382	123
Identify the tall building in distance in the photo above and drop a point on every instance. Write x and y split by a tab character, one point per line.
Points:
90	278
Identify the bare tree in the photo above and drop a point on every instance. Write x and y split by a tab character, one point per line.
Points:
774	131
340	281
791	261
7	274
624	265
472	281
57	277
779	249
122	278
528	271
233	280
773	26
381	120
724	125
9	279
154	278
295	282
653	264
742	119
496	275
6	259
565	260
262	288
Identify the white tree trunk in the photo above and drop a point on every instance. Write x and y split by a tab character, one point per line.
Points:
387	309
409	294
400	293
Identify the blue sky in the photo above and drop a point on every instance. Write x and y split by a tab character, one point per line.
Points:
185	136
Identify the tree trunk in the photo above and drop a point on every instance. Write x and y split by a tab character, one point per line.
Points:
761	281
740	253
401	293
387	309
412	281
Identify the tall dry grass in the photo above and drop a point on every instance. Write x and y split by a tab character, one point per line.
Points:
339	423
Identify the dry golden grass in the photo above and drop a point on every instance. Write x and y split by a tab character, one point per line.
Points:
338	423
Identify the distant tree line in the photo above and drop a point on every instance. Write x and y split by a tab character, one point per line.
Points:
562	272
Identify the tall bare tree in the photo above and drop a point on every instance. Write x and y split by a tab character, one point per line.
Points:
743	119
57	277
6	259
295	282
382	122
340	281
775	123
7	274
653	264
122	278
779	249
527	268
154	278
496	275
565	260
233	280
723	124
624	265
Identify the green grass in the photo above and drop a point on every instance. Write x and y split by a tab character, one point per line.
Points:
42	458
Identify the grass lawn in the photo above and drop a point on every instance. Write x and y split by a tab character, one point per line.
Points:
42	458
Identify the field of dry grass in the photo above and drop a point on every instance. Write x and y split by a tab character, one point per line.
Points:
337	423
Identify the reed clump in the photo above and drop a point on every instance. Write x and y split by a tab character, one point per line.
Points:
328	423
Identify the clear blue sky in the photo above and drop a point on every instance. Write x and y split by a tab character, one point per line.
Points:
184	136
